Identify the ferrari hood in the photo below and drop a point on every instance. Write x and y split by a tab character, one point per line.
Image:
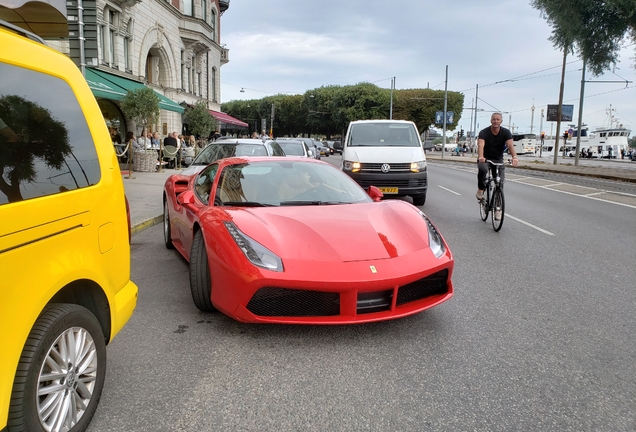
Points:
336	233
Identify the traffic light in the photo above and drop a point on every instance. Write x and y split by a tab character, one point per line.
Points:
461	133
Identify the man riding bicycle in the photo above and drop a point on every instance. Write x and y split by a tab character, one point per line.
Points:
490	147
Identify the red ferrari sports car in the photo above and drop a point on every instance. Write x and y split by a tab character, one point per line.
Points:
295	240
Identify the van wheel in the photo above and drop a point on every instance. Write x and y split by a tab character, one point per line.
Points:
60	376
419	200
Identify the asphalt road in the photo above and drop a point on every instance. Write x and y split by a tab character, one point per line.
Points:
539	335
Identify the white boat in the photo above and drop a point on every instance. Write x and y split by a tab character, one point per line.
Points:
604	142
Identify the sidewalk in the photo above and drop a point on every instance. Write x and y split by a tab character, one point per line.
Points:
621	170
144	190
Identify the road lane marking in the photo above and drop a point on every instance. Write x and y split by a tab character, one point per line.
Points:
529	224
588	196
446	189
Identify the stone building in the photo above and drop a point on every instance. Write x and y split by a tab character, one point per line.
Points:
170	46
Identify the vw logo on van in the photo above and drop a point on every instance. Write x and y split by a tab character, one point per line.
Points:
386	168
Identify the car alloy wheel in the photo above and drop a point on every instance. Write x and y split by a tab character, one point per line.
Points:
61	372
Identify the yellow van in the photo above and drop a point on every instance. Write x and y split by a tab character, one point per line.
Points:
65	289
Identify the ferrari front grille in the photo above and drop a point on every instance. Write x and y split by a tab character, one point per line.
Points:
429	286
369	302
272	301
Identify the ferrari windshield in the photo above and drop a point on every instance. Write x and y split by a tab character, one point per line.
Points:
280	182
383	134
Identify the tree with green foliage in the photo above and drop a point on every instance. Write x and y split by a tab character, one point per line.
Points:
327	110
420	106
597	29
200	121
142	106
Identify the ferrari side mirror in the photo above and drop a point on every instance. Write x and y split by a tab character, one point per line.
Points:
375	193
186	197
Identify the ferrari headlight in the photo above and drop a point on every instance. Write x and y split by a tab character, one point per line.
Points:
418	166
435	241
351	166
258	254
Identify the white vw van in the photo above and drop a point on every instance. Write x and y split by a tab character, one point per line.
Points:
387	154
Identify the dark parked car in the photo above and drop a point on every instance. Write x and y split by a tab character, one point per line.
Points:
337	147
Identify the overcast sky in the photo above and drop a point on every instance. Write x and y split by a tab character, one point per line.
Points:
291	46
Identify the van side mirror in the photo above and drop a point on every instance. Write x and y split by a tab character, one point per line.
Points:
375	193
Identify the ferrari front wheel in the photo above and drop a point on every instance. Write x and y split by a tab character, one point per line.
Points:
61	373
200	280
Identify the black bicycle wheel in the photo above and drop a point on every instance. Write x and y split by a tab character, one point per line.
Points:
483	204
498	209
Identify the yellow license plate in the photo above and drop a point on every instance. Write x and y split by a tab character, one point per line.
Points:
389	190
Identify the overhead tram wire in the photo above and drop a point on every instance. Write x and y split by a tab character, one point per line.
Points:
523	76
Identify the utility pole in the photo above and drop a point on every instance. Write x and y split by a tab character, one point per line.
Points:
472	112
560	110
445	107
578	133
541	134
532	117
391	109
271	125
474	126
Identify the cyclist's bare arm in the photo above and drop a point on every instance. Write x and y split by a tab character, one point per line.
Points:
480	150
511	149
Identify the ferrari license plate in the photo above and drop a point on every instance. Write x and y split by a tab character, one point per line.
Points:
388	190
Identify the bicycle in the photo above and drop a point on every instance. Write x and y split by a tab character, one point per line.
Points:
493	200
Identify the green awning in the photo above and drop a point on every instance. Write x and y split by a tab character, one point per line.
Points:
113	87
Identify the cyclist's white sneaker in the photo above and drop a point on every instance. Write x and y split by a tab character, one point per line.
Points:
480	195
497	214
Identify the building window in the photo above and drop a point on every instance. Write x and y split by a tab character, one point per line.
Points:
102	44
126	53
213	24
190	86
199	82
183	70
204	7
213	82
187	7
111	46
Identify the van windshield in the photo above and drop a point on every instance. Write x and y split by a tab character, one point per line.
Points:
383	135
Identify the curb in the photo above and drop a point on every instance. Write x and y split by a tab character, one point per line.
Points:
146	224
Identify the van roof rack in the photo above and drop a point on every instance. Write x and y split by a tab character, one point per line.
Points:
22	31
